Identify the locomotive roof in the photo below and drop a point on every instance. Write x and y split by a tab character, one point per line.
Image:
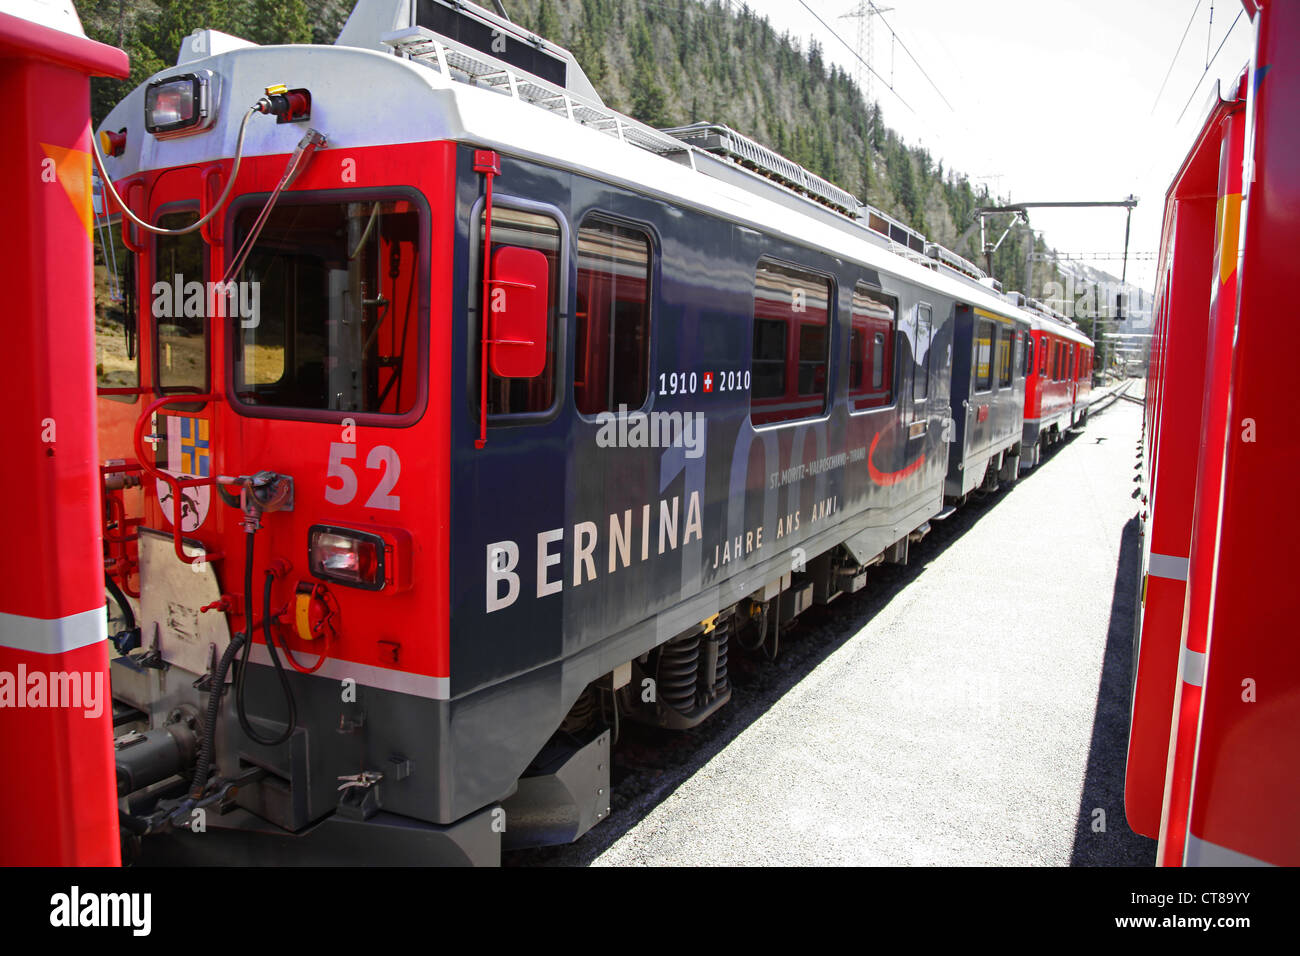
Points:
362	98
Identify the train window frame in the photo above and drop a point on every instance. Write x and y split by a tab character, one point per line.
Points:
1044	355
1029	355
1007	335
561	360
832	313
653	262
178	207
892	393
978	385
929	352
423	306
127	278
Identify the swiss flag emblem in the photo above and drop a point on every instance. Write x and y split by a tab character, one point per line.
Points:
708	381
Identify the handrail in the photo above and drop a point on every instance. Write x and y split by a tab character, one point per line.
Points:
129	186
177	484
209	231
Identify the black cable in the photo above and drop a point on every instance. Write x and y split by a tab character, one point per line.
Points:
241	710
199	782
121	600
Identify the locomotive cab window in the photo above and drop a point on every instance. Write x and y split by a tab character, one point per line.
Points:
791	344
871	348
523	382
179	307
984	335
334	324
612	347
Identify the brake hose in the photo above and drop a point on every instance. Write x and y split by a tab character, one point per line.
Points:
240	710
147	227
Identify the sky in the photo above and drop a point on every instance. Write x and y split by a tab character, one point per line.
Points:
1047	100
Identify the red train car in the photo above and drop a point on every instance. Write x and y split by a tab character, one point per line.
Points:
1058	384
1213	746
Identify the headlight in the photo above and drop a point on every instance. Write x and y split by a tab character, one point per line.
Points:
179	105
347	556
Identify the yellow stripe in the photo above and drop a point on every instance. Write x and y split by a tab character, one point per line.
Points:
1229	227
993	315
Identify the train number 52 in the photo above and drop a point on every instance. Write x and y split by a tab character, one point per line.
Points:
380	457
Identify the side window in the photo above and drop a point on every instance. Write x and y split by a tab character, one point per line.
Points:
338	307
769	358
1004	356
871	348
924	334
612	351
791	344
983	355
179	306
526	230
117	357
1029	354
1044	356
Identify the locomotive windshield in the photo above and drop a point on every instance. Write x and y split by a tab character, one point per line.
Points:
337	293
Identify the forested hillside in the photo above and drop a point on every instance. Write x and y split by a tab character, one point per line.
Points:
666	62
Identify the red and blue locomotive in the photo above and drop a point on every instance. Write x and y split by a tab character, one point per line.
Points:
474	416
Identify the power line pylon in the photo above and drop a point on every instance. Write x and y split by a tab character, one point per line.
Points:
865	13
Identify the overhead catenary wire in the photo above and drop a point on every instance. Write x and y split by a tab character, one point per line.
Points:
1169	72
850	48
1209	64
1157	159
899	40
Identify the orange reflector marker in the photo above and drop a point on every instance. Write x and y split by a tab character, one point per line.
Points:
112	144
